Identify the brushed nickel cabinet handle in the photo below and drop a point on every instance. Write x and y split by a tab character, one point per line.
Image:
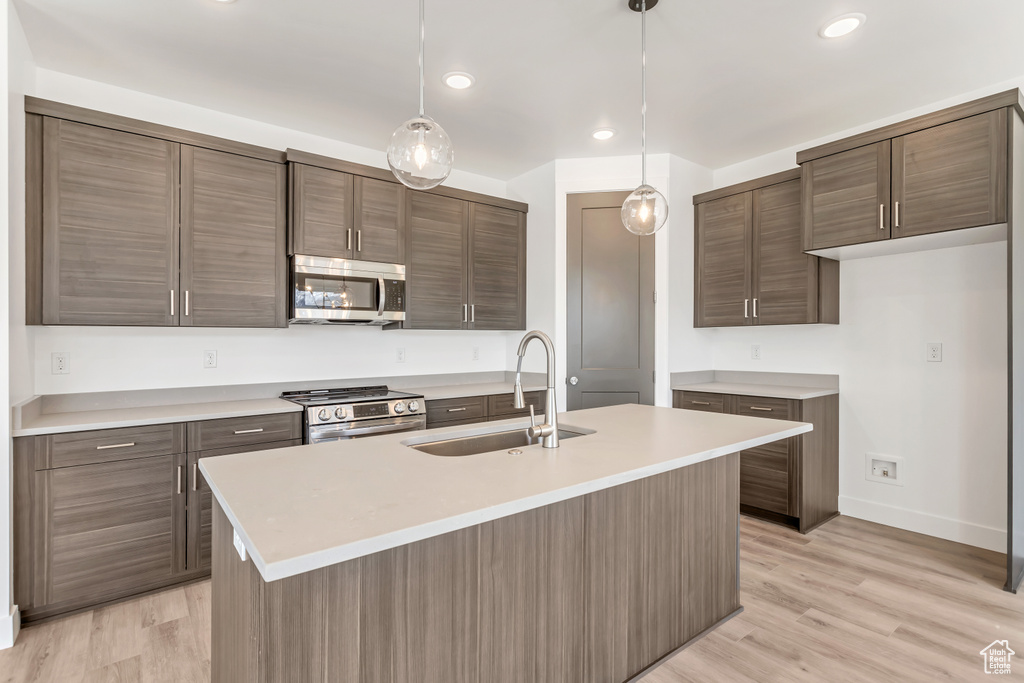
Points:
186	303
348	238
172	302
116	445
701	403
755	308
456	410
881	216
746	305
248	431
896	223
178	468
764	410
195	476
359	240
465	313
472	313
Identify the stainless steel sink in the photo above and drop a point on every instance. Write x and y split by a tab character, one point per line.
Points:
486	443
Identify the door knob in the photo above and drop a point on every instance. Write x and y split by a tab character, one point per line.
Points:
574	381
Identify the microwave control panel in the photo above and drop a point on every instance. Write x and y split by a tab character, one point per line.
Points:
394	295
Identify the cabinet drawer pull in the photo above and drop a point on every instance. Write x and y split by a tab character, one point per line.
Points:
746	304
881	216
195	476
764	410
248	431
701	403
178	468
116	445
456	410
896	222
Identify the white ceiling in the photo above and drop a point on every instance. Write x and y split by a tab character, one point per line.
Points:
727	79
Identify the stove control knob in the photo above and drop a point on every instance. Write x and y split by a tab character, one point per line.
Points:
414	406
340	413
324	415
399	407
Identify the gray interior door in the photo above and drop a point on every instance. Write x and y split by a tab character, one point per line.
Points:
610	305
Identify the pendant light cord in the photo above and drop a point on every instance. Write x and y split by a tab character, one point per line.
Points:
422	34
643	91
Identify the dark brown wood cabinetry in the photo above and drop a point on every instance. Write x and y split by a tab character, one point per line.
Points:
436	283
449	412
497	268
944	171
796	480
130	223
750	268
106	514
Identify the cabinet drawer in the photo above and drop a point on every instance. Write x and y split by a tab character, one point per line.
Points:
242	431
763	406
447	409
503	405
697	400
108	445
456	423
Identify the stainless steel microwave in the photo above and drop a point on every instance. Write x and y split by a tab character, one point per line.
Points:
334	290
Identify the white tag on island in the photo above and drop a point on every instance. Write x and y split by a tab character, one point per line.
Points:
237	540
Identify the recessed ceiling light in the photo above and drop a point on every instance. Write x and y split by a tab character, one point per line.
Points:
223	2
840	26
460	80
603	134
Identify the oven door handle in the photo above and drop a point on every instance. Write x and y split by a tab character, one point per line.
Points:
380	297
376	429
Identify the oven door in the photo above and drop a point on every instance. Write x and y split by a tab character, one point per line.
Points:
363	428
343	291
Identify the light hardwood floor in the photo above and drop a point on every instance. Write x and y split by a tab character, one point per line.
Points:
851	601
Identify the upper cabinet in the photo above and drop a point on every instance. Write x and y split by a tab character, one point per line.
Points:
129	223
939	172
750	267
497	268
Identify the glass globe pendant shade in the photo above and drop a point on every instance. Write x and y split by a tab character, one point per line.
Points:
644	211
420	153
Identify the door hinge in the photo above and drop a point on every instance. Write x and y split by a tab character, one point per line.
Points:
654	376
655	296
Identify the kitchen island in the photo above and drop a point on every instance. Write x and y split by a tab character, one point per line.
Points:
369	560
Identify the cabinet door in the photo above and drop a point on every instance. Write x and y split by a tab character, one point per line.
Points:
233	262
764	477
723	268
436	283
108	530
200	502
846	197
321	208
497	268
951	176
785	278
110	227
379	221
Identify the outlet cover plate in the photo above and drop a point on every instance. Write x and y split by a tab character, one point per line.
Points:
209	359
875	463
755	352
933	352
60	363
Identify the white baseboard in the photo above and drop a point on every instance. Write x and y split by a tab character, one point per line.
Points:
922	523
9	628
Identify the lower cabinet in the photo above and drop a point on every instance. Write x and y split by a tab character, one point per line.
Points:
107	514
796	480
450	412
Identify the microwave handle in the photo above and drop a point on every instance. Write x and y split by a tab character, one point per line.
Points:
380	297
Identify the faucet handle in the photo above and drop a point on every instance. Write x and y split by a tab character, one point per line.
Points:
533	419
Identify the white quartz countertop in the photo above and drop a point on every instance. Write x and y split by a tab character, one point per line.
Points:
303	508
770	390
465	390
134	416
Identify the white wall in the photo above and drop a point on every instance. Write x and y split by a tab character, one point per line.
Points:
107	359
948	420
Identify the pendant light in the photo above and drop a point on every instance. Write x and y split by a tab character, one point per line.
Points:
646	209
420	153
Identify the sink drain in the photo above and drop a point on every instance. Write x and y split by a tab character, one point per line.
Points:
515	451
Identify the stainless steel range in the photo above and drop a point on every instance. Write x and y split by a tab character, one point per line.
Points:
333	414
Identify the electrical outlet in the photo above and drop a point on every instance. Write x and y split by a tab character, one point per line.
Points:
400	355
60	363
934	352
476	353
209	359
755	351
885	469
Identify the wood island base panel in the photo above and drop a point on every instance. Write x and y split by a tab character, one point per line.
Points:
597	588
